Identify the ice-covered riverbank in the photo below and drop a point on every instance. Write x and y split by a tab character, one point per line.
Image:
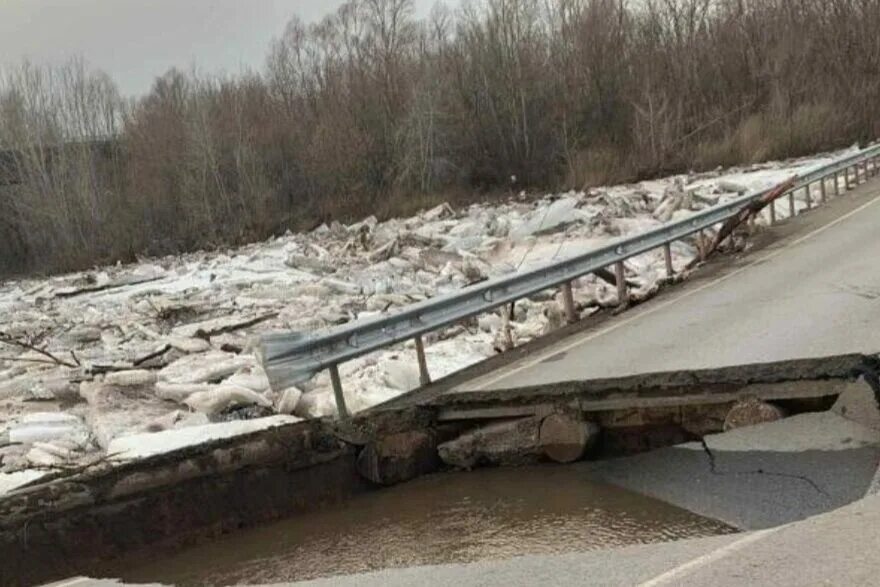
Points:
121	355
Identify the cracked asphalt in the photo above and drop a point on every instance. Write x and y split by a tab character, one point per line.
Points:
750	490
759	477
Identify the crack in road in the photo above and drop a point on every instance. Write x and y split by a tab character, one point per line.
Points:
713	467
859	291
870	372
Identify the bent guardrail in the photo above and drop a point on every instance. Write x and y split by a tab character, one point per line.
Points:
293	357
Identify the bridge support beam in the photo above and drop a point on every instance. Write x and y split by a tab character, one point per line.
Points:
566	437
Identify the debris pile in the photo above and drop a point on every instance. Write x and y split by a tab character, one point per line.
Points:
91	358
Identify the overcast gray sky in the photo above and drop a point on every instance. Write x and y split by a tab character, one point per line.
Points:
136	40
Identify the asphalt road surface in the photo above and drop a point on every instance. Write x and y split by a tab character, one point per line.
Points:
815	293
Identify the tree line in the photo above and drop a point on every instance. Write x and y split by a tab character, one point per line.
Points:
373	110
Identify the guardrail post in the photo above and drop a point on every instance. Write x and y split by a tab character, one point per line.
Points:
622	290
808	197
667	256
791	208
836	183
568	303
846	178
337	392
772	212
424	376
823	190
701	244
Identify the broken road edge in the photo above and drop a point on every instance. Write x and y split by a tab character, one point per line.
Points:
72	523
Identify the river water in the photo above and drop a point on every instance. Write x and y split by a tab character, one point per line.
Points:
445	518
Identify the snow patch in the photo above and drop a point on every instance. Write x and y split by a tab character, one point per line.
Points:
12	481
140	446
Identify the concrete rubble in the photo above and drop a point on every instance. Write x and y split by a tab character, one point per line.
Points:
132	351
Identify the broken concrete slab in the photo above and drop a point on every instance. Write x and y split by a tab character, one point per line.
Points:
115	508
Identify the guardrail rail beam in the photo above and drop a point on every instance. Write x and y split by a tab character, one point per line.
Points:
292	357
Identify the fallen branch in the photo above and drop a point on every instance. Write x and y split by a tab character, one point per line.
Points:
75	291
23	360
219	326
30	346
158	353
753	208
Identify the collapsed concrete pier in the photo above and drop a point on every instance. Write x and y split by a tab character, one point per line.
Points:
66	525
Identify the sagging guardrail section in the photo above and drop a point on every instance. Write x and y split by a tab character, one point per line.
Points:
292	357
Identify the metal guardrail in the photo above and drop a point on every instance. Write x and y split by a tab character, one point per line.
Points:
292	357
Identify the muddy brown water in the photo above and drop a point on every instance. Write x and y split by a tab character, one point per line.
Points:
445	518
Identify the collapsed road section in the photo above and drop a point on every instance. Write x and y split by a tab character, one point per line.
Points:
66	525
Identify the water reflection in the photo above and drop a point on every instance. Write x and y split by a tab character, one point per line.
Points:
488	514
